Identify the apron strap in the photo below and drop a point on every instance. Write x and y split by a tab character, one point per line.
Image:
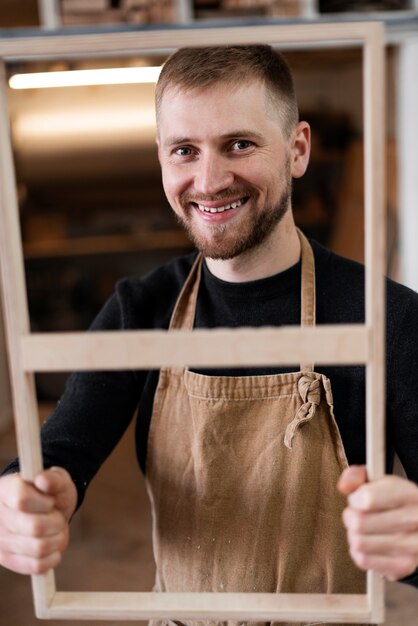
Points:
184	312
185	309
308	297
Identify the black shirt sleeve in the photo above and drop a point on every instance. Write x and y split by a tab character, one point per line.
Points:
97	407
92	414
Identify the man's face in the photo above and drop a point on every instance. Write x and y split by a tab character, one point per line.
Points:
226	166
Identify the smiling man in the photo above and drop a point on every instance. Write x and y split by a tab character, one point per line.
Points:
242	465
229	160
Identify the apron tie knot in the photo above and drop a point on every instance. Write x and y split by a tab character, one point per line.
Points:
310	391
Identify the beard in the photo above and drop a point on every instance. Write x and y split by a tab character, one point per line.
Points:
229	240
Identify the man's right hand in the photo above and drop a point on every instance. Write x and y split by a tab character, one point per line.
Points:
34	520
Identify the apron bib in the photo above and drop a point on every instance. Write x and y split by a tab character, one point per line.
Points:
242	473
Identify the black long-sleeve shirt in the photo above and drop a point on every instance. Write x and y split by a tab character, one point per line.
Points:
97	407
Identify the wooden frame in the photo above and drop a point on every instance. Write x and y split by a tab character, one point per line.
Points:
361	344
6	410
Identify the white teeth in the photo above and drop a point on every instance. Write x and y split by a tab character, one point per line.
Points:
219	209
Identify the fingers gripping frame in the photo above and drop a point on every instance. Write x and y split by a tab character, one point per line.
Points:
29	353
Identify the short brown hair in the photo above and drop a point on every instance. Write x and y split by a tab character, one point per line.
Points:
191	68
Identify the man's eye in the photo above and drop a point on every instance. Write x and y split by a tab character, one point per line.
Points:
242	144
183	151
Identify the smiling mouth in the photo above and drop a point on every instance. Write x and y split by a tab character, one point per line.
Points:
220	209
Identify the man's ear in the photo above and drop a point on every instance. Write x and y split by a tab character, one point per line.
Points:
300	149
157	141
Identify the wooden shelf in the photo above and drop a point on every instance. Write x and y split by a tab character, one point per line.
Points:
110	244
399	26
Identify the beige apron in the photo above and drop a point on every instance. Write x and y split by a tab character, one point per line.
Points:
242	473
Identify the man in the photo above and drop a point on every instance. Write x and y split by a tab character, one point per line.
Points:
241	464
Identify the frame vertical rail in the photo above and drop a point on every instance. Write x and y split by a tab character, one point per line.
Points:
16	317
374	204
6	410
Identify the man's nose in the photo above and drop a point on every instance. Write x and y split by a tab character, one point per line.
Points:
213	174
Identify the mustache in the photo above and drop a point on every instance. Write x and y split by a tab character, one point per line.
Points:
223	196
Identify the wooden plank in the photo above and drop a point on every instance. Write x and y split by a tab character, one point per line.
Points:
15	303
63	352
375	238
6	408
43	591
202	606
297	35
17	324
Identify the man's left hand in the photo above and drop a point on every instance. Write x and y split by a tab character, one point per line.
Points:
382	522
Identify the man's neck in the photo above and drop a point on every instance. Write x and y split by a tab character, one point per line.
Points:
276	254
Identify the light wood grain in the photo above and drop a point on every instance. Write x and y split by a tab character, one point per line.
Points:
375	237
6	408
203	606
15	303
119	43
63	352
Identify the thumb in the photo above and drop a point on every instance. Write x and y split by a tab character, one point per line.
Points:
52	481
351	479
57	483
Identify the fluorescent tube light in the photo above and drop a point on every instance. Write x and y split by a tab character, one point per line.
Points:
76	78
